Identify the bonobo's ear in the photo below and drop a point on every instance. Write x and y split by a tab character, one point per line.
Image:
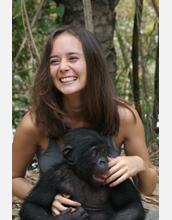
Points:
67	154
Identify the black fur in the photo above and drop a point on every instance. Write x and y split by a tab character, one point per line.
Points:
85	152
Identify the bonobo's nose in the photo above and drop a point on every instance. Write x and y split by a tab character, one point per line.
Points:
103	164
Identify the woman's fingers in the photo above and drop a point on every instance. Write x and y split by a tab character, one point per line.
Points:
120	168
55	211
119	180
61	201
57	205
117	175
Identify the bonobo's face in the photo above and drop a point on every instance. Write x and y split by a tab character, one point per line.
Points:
86	152
100	164
93	167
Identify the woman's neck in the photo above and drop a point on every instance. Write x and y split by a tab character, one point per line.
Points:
73	107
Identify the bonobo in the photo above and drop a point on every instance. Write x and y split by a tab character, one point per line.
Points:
81	176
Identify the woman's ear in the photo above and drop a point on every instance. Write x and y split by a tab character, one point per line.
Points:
68	154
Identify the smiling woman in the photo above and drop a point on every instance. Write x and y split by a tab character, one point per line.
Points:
73	76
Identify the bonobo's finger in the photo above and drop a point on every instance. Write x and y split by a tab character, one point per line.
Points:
81	214
85	216
67	211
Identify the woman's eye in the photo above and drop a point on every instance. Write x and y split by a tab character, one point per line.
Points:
54	62
73	58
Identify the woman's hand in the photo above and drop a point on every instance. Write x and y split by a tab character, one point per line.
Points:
59	203
123	167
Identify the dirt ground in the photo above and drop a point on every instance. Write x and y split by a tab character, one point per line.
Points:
149	202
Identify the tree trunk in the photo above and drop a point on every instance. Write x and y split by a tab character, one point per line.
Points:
135	57
103	22
156	89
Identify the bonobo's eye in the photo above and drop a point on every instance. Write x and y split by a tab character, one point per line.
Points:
94	154
104	151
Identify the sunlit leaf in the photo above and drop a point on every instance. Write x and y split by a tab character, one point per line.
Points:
60	10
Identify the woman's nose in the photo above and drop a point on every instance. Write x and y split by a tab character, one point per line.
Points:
64	66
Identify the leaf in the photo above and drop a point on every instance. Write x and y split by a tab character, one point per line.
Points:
60	10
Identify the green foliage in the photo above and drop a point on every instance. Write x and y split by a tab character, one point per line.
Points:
60	10
49	18
123	44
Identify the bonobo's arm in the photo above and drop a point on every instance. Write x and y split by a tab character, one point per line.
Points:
37	206
127	202
38	202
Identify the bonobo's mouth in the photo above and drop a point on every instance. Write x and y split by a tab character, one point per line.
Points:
100	177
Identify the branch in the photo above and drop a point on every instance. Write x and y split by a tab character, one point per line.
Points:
88	15
156	7
122	46
25	31
29	30
31	26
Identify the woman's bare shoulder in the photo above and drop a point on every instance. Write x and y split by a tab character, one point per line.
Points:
131	126
28	128
128	115
29	121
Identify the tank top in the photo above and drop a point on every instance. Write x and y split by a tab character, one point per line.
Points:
53	154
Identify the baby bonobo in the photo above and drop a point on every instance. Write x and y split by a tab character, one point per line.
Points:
81	176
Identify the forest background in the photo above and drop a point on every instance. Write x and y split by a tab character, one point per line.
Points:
133	61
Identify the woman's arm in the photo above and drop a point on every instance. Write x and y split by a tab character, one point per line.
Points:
25	144
137	163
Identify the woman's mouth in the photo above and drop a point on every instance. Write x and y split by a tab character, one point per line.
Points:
68	79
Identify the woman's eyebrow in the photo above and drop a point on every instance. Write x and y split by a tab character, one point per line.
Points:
74	53
53	56
71	53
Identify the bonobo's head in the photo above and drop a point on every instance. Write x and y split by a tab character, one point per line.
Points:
86	151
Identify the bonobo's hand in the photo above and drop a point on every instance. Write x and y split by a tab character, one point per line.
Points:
79	214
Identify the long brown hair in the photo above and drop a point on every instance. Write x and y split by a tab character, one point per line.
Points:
99	107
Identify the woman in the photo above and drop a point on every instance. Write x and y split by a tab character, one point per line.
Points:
73	89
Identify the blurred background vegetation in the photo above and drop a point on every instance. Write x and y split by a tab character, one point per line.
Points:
136	41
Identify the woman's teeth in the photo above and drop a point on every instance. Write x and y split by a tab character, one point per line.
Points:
68	79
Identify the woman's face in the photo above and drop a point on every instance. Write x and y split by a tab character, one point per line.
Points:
67	64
